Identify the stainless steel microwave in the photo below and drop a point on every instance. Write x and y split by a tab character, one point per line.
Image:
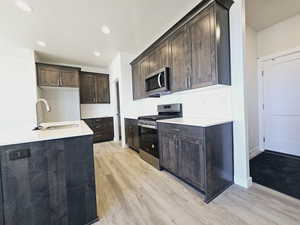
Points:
157	83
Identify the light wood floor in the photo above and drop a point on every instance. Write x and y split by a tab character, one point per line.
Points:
130	192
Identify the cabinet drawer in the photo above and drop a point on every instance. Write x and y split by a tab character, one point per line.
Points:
103	128
192	131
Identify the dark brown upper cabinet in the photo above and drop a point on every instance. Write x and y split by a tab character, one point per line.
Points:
87	88
57	76
136	81
180	60
159	57
210	52
69	78
201	30
94	88
196	49
139	73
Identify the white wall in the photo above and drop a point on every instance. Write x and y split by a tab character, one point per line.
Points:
239	104
279	37
252	89
95	110
18	92
64	103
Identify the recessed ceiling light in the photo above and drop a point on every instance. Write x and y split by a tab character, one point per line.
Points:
41	43
105	29
97	53
23	6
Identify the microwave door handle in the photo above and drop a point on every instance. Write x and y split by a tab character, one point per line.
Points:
159	76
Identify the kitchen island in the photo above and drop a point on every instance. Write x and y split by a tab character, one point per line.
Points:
47	177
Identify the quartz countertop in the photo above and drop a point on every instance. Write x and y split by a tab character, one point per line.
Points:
197	121
27	136
131	117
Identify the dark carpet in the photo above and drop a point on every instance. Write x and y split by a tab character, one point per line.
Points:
277	171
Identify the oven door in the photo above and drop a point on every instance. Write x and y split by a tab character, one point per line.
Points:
149	140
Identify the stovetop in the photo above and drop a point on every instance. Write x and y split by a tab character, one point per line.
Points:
157	117
168	111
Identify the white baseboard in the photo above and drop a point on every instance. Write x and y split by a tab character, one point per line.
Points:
116	139
254	152
250	182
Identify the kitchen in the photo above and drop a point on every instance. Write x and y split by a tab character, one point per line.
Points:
151	136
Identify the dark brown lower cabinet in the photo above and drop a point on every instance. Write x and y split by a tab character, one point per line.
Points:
191	165
49	183
201	156
169	156
103	128
132	133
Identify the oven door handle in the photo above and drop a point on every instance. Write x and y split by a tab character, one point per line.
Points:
147	126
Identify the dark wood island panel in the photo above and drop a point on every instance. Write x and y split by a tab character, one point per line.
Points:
48	182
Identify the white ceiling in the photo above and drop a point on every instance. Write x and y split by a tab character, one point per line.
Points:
261	14
72	28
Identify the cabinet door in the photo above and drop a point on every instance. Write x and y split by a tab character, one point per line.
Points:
180	59
127	123
87	89
102	88
201	30
139	72
168	143
129	132
69	78
131	136
135	80
136	139
159	57
80	180
34	187
48	76
191	164
132	133
144	71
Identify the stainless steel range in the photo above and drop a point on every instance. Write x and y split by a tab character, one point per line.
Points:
148	132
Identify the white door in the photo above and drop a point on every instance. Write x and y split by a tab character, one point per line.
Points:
281	84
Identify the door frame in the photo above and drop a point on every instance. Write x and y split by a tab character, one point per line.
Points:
117	122
260	70
118	98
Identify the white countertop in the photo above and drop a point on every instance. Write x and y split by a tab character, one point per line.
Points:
197	121
131	117
19	137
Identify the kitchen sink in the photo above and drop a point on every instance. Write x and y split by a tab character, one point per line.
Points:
58	125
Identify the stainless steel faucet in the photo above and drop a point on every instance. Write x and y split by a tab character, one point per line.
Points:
42	100
45	102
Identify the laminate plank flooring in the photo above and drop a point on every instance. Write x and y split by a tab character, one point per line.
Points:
131	192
